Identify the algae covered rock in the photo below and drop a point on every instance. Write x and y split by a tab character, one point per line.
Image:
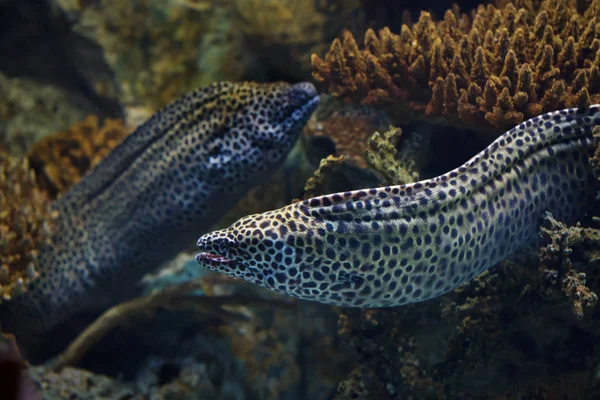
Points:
30	111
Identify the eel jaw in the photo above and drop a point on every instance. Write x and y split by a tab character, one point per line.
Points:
215	252
215	261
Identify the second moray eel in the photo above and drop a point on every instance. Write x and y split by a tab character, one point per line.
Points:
177	173
398	245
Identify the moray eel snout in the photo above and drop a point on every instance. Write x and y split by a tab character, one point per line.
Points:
223	253
289	110
217	253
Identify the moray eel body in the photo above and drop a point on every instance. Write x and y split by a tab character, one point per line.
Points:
177	173
398	245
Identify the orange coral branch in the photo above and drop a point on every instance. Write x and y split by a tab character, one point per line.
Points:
491	70
26	221
61	160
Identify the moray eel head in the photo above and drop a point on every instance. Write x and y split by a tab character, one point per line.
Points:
279	115
264	124
269	250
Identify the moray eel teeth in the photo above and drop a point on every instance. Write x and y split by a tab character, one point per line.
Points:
398	245
220	258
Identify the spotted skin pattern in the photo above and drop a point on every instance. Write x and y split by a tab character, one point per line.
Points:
398	245
177	173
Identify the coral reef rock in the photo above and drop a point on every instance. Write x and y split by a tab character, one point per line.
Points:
151	46
237	352
30	110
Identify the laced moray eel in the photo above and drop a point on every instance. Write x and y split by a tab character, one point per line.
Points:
398	245
177	173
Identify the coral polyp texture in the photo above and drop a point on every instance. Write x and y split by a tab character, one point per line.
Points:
489	70
25	224
61	160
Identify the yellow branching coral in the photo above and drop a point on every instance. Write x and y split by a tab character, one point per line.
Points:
490	70
381	156
60	160
25	224
316	184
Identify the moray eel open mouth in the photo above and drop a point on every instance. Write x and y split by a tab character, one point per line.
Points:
214	260
218	253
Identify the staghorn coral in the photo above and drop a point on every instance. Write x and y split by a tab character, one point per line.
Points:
61	160
25	225
490	71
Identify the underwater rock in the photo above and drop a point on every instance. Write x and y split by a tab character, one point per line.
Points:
152	47
156	50
341	130
284	33
238	352
77	384
180	269
30	111
62	159
347	126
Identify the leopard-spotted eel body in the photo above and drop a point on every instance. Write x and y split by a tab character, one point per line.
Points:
177	173
397	245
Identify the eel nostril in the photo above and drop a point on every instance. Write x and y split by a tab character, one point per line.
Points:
201	242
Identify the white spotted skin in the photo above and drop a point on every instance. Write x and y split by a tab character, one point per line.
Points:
399	245
176	174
